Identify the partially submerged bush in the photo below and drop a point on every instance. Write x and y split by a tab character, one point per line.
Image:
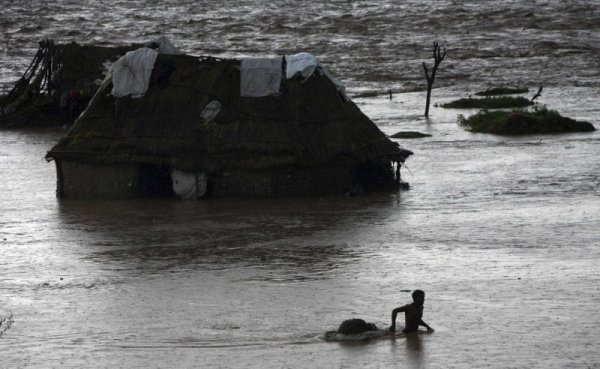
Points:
409	134
5	323
489	103
516	122
502	91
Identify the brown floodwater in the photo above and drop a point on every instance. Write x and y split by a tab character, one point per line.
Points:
500	232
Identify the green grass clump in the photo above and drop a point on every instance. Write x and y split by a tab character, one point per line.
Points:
409	134
489	103
502	91
516	122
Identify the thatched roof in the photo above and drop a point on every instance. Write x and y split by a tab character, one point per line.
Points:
309	123
56	69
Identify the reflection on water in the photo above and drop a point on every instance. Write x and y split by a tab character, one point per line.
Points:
272	234
414	350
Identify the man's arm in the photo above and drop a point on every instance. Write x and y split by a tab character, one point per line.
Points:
394	315
429	329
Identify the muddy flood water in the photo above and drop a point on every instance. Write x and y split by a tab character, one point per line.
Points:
502	233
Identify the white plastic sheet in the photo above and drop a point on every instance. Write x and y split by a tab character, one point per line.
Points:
260	76
131	73
166	47
187	185
304	64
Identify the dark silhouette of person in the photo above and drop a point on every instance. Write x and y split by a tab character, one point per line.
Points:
413	314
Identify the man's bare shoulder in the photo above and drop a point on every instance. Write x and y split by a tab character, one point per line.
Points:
404	307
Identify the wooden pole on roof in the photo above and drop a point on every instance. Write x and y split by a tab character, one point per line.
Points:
438	57
538	94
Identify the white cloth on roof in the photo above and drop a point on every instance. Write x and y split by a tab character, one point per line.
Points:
303	63
187	185
260	76
131	73
166	47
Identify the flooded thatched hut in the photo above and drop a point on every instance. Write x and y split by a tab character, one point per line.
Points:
58	84
202	126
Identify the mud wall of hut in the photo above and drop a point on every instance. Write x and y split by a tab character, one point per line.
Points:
283	182
81	180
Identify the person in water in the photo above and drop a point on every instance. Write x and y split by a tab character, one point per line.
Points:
413	314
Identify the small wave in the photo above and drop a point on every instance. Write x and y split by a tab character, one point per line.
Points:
63	285
189	345
334	336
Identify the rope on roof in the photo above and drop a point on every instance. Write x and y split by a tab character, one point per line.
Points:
37	79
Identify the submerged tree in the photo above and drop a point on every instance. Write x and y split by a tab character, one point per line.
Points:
438	56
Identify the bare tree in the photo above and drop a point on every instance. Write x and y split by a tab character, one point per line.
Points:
438	56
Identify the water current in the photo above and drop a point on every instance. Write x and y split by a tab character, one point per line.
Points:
501	232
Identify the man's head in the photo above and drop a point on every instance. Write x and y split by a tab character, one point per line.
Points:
418	296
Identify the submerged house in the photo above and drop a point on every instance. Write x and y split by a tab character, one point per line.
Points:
164	125
58	84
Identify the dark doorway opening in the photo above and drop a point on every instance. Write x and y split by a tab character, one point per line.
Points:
154	181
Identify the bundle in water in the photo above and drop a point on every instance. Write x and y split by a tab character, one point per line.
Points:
207	127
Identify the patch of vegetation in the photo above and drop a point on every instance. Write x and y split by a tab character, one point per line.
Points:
5	323
502	102
409	134
370	94
502	91
515	122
